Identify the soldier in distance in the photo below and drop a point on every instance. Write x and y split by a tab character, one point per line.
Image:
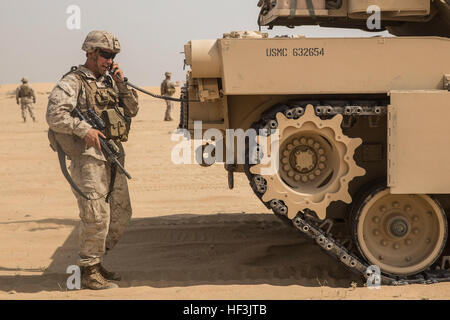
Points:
26	97
168	90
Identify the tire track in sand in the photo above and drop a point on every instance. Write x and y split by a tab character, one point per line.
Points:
184	250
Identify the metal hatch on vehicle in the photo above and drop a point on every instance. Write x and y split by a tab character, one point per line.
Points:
419	142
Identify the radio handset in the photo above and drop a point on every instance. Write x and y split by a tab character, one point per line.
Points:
111	70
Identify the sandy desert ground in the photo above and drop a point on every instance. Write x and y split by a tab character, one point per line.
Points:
190	237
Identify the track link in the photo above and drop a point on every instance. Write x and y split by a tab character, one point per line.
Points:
306	223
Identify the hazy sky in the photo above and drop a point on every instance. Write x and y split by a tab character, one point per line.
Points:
35	41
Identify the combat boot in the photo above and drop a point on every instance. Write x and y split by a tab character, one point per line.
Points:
91	278
108	275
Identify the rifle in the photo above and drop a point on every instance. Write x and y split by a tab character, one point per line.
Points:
109	149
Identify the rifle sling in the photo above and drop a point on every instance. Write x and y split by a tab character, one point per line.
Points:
112	181
63	166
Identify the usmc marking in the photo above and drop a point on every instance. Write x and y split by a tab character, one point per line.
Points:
277	52
295	52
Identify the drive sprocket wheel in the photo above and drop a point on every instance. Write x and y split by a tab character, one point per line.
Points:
402	234
315	163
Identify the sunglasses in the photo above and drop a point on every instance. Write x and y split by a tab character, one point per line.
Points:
107	55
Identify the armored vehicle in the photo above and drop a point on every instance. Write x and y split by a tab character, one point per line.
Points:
352	134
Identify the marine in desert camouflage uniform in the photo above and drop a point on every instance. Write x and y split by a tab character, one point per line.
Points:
25	97
168	90
102	223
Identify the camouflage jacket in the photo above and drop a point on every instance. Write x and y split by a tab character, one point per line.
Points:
167	88
25	93
69	93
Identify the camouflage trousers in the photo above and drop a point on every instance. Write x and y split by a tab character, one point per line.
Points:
168	109
27	106
102	224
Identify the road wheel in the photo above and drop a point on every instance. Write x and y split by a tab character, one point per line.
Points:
402	234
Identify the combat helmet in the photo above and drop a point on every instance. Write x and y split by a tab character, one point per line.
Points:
24	80
102	40
168	74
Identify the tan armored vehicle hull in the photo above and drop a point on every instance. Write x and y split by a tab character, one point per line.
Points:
400	17
351	135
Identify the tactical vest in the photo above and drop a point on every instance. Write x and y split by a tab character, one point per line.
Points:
105	102
25	91
168	88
